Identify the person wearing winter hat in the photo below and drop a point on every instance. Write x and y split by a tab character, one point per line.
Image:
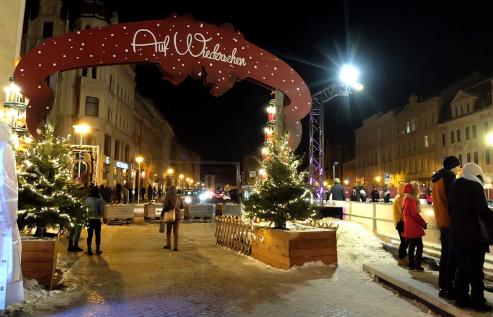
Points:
414	226
441	184
470	234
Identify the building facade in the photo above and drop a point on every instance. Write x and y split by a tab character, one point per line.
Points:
410	144
123	124
12	17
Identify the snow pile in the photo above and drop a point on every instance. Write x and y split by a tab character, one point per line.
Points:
356	246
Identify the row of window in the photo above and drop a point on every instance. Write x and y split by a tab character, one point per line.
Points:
461	109
470	133
121	150
475	157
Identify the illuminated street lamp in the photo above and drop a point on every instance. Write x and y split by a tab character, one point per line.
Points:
180	179
81	129
139	159
378	179
349	75
170	171
346	182
346	83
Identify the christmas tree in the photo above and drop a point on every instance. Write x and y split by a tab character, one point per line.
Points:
281	192
47	196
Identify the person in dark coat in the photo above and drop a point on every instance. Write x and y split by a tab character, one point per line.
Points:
119	193
375	196
130	193
386	195
470	236
142	193
354	194
149	192
441	184
337	191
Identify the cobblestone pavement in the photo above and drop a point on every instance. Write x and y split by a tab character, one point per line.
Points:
137	277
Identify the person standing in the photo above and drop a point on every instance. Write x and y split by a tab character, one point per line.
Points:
399	223
375	196
440	187
95	210
172	202
142	193
337	191
386	195
414	226
149	192
470	236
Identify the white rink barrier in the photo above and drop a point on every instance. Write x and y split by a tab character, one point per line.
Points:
202	211
232	210
378	217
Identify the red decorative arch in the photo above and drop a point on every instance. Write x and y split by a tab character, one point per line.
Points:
220	56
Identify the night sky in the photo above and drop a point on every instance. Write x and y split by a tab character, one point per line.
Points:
401	47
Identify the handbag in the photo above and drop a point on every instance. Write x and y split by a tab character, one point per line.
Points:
170	215
400	226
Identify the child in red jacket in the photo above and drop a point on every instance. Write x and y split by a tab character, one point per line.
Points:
414	226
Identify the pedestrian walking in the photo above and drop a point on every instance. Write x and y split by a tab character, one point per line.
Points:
414	226
172	202
95	210
119	193
470	236
441	186
337	191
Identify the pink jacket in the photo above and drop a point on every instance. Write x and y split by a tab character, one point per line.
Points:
413	222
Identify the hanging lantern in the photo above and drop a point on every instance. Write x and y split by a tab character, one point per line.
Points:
14	114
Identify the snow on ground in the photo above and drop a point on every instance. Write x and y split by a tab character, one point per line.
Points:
206	280
356	245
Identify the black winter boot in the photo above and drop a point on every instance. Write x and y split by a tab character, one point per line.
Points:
89	251
98	251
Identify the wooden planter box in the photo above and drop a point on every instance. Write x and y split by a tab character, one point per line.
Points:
287	248
39	257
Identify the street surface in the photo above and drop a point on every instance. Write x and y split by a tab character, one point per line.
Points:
137	277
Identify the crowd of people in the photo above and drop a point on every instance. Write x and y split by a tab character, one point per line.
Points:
98	197
125	194
466	230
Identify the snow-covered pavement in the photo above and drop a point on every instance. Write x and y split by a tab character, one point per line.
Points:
136	277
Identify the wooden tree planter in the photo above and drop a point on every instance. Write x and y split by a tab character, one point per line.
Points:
287	248
39	257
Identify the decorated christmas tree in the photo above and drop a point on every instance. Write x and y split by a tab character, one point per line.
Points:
48	198
281	192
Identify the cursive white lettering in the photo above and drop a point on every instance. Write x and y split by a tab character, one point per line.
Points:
194	45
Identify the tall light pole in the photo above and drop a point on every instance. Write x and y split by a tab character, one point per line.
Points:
138	159
81	129
348	80
334	171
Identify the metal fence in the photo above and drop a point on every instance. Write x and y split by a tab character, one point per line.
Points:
233	233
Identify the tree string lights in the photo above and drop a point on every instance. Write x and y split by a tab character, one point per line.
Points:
47	196
280	193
